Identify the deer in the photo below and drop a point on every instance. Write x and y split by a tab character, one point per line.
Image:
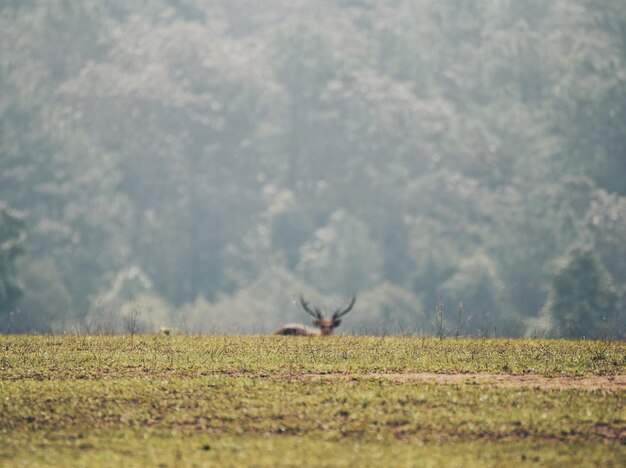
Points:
325	326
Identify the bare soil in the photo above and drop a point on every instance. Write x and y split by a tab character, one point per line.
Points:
608	383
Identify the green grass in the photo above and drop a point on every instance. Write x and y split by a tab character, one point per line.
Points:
71	357
179	401
177	449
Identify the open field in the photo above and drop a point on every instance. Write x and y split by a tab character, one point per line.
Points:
180	401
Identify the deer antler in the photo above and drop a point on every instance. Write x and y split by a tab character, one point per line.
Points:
340	313
315	313
325	326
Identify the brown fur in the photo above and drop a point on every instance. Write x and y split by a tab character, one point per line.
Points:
296	329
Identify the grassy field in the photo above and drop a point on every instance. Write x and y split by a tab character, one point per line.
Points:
340	401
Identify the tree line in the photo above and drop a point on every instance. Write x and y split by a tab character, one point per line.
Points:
197	165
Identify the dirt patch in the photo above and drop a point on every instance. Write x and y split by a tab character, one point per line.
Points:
609	383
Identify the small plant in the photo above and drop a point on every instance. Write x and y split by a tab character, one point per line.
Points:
441	332
483	327
130	321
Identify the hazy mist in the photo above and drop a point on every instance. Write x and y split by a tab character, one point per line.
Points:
198	165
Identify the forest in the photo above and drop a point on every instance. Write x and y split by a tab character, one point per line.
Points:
194	165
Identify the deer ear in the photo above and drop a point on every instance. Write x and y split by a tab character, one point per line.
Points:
336	323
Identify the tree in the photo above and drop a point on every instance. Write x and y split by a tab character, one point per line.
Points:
606	219
48	305
290	225
12	236
533	223
341	257
478	285
582	299
270	301
388	309
449	221
180	103
129	306
427	145
54	172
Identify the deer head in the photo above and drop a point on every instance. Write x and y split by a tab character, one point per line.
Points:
326	325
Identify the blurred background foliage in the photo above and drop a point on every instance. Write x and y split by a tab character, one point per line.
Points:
198	165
